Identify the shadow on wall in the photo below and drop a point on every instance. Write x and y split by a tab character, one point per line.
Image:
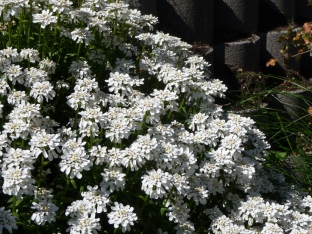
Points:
235	20
193	20
275	13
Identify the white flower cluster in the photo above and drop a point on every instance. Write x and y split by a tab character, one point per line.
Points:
46	210
7	220
82	212
145	120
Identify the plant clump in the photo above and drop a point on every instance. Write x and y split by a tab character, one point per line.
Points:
107	127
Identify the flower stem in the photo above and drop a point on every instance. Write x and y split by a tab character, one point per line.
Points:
43	43
78	52
182	103
40	171
76	118
91	139
30	23
55	32
20	30
228	191
142	208
10	34
169	195
14	204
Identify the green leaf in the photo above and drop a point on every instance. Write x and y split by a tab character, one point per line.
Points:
18	202
16	215
162	211
280	154
73	182
142	197
71	55
81	189
59	194
97	140
24	216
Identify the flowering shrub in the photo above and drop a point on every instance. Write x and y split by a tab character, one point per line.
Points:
107	127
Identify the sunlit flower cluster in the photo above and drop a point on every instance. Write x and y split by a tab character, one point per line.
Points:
105	120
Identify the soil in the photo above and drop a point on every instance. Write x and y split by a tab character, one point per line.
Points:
253	86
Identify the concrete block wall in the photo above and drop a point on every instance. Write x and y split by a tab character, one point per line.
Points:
242	34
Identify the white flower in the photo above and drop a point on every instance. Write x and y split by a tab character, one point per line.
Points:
307	202
114	179
132	157
17	157
25	112
119	81
45	212
7	220
91	116
16	128
60	5
62	84
11	54
40	90
198	121
178	212
156	183
82	35
4	87
118	129
17	97
97	198
45	18
146	146
30	54
221	224
48	66
41	140
98	154
198	193
43	194
231	143
17	181
15	73
271	228
80	69
168	97
72	144
79	208
185	228
87	84
122	215
180	183
154	106
34	75
113	157
84	224
74	162
81	97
